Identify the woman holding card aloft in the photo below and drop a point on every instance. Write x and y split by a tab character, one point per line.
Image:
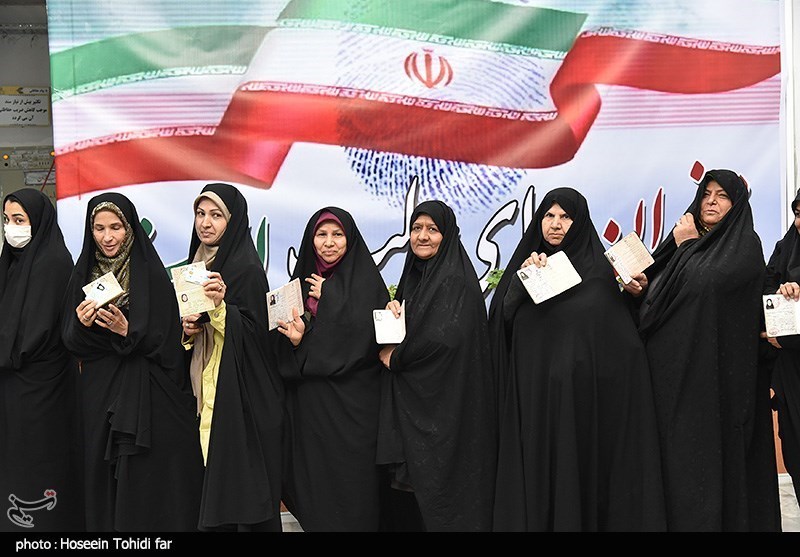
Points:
39	448
578	438
333	380
783	277
701	318
234	371
437	432
142	461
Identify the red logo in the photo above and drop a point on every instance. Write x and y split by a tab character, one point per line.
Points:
429	69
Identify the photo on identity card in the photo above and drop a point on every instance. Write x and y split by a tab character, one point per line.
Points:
103	289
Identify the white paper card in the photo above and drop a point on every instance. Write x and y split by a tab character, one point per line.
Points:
103	290
388	328
542	283
629	257
188	282
281	301
781	316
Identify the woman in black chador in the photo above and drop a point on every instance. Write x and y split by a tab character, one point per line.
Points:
39	450
437	430
234	373
578	438
333	380
142	462
701	318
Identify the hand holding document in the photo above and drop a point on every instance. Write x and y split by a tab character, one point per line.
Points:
781	316
188	282
281	301
629	257
388	328
542	283
103	290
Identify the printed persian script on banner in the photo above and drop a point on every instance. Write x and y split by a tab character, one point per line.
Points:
781	316
281	301
188	282
557	276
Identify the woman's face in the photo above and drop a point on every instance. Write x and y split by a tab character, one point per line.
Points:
209	222
109	232
797	218
330	242
555	224
715	204
13	213
425	237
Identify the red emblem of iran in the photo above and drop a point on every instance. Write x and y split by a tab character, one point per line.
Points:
429	69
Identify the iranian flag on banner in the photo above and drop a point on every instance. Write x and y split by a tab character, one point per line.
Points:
470	81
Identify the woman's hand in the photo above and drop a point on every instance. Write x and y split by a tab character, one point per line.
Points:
790	291
637	285
772	340
396	308
685	229
537	259
112	319
190	324
86	312
385	354
215	288
316	285
294	329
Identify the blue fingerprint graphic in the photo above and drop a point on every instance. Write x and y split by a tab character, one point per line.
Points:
465	187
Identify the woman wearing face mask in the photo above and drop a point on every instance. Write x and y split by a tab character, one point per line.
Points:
39	456
578	440
142	461
333	380
437	430
234	371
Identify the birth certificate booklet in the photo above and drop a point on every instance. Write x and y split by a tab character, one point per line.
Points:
281	301
557	276
781	316
103	290
188	282
629	257
388	328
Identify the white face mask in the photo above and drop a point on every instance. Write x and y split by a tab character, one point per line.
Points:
17	236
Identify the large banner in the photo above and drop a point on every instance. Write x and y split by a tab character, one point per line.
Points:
376	105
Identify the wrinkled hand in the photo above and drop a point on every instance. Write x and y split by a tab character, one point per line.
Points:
396	308
215	288
190	324
385	354
294	329
790	291
637	286
685	229
772	340
316	285
112	319
537	259
86	312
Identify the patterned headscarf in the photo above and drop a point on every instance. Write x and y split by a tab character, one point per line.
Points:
120	264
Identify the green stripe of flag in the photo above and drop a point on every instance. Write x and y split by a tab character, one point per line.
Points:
477	20
154	51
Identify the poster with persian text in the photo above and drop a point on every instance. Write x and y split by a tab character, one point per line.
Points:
376	105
